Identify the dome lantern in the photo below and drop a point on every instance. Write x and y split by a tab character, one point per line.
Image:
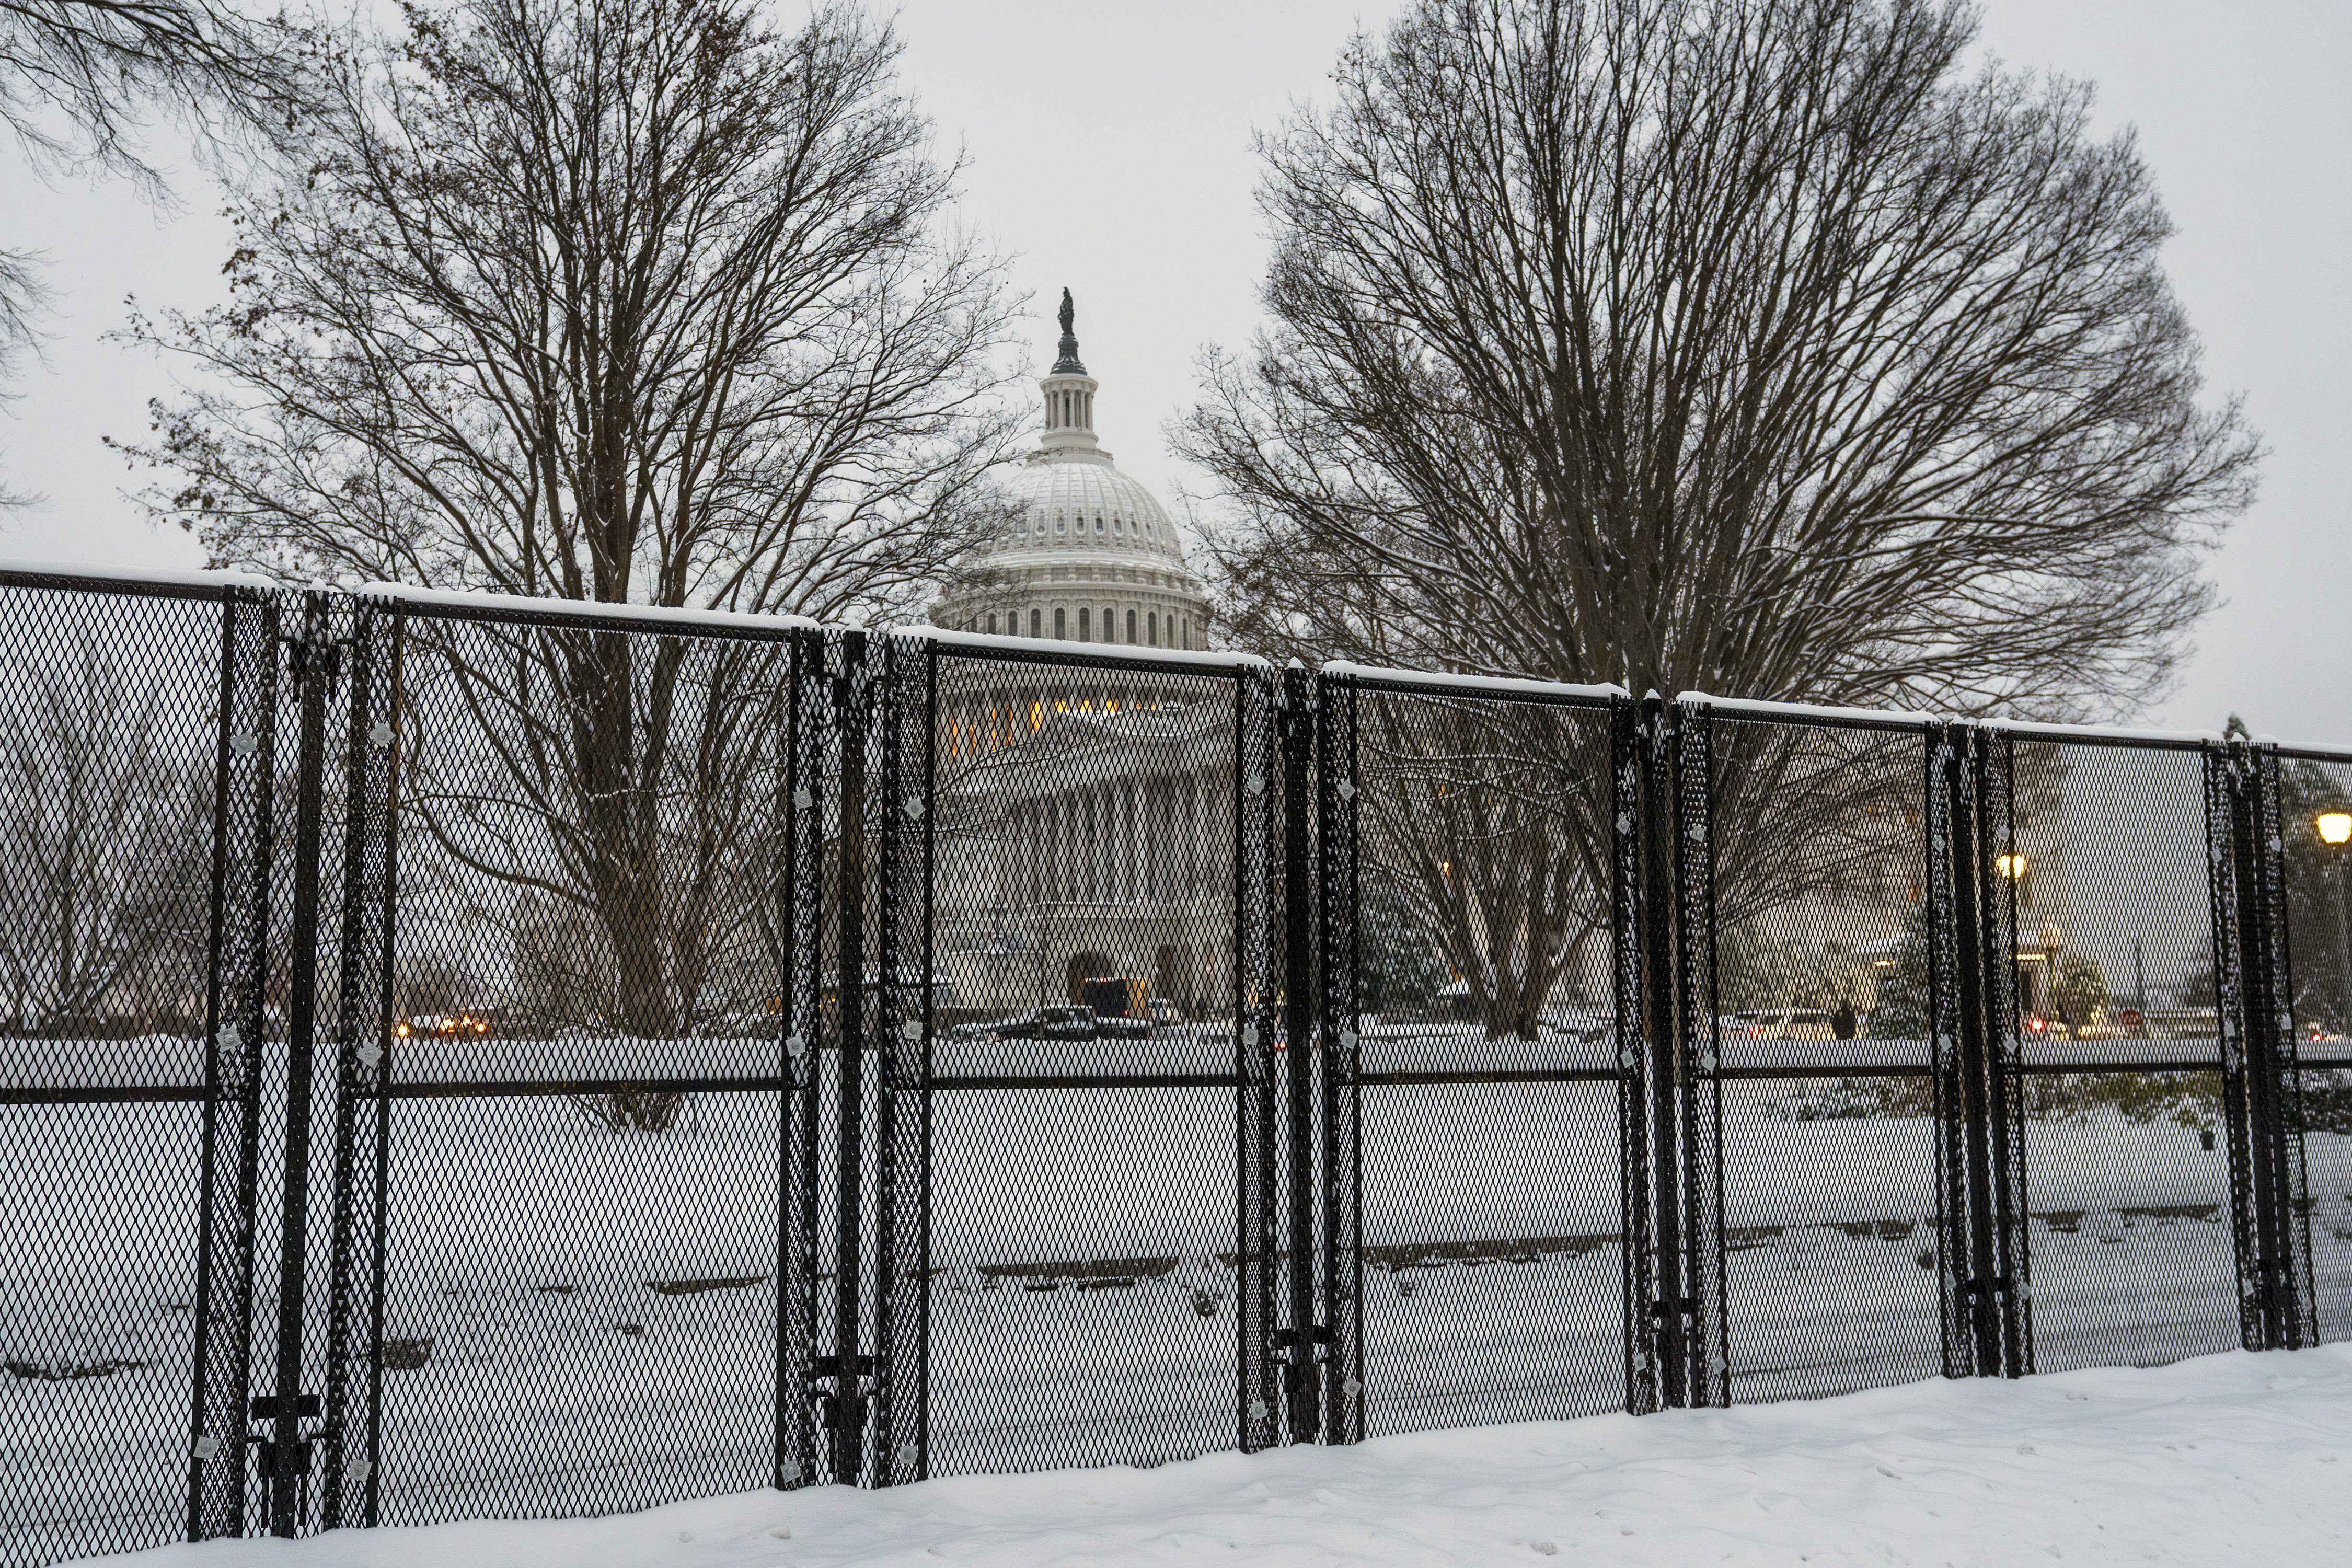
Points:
1069	392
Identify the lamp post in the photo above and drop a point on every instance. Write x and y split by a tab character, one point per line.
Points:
2334	826
2012	868
2052	939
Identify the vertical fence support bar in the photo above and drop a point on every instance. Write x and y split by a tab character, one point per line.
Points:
1338	938
2259	1045
799	1027
1948	949
1637	1240
312	663
1257	975
1299	1340
908	708
2298	1322
362	1037
393	635
239	971
1994	799
1967	914
2223	829
849	1010
1701	1056
1669	1304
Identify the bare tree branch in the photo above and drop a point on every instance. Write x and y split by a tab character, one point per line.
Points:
1748	346
614	301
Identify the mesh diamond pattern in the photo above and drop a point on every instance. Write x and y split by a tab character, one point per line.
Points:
1828	970
2126	1153
1477	984
573	1059
595	1075
112	753
1099	1037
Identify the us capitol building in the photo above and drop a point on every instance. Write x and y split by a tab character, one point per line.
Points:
1084	828
1088	555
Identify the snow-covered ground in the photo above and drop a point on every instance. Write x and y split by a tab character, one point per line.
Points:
2226	1459
594	1315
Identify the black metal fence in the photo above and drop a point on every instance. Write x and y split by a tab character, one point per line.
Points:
469	1056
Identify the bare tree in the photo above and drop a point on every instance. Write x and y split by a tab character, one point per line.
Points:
78	77
614	301
1748	346
105	854
1745	346
1486	824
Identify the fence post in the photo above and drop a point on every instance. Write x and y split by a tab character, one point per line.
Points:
363	1072
906	708
2297	1306
238	973
1339	894
1700	1059
313	661
2221	856
1968	916
1258	977
1637	1241
2261	1088
801	1026
1668	1304
1994	792
1949	948
846	1403
1299	1342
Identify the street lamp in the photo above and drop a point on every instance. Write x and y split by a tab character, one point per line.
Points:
2333	825
2013	866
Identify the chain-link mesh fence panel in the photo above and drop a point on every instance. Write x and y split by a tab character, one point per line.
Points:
598	1132
2109	899
114	750
1830	966
1102	1000
1475	979
2315	810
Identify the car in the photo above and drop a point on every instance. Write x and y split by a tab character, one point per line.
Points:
1070	1024
1780	1023
464	1023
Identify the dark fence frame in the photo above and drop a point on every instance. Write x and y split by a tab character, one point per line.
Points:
858	742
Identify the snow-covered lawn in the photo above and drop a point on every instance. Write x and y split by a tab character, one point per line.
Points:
2232	1459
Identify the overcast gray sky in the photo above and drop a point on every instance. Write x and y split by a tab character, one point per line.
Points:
1108	150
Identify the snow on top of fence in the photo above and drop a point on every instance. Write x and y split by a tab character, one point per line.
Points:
652	616
1066	647
1751	707
2103	732
139	576
1500	685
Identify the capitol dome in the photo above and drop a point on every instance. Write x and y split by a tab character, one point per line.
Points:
1089	554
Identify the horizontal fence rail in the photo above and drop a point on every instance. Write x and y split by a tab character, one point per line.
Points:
541	1059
